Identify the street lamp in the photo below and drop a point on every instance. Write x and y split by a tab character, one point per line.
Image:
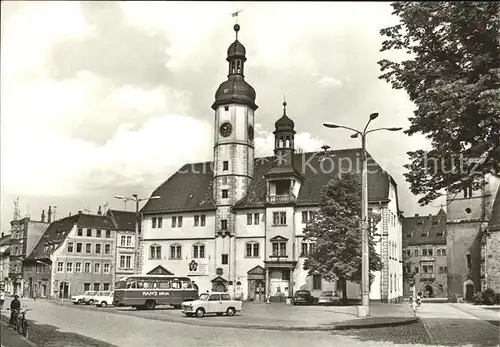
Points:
364	309
137	200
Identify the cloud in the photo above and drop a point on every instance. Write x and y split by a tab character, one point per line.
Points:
329	82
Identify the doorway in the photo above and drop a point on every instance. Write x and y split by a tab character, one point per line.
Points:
63	290
259	291
429	291
469	292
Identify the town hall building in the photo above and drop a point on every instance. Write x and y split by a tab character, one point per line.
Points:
236	224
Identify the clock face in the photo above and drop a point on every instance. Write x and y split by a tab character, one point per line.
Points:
250	132
226	129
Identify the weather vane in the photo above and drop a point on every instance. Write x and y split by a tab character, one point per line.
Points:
235	14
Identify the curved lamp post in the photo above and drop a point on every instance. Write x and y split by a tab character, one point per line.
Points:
137	200
364	309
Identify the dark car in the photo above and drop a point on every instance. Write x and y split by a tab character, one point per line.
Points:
303	297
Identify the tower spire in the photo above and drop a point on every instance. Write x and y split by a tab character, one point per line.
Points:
284	106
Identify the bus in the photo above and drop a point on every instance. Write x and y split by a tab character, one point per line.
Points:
145	292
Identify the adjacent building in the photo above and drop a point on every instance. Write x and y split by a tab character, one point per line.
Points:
471	238
76	253
125	257
25	233
425	239
236	224
5	282
490	255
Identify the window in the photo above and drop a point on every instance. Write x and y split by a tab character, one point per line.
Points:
88	248
279	218
224	180
153	223
97	248
97	267
196	220
107	248
160	222
98	233
446	269
308	216
70	247
256	218
427	269
202	220
80	232
155	252
60	266
224	193
225	165
69	266
97	287
105	286
126	240
316	282
440	288
177	221
225	297
279	249
78	267
415	252
424	252
226	108
223	224
429	251
89	232
305	248
106	268
249	219
108	234
175	252
416	269
87	267
443	251
126	261
252	249
214	297
441	270
198	251
468	260
225	259
423	235
86	287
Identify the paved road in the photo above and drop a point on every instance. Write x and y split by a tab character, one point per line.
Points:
58	326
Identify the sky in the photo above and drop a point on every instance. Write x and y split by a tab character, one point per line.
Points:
102	98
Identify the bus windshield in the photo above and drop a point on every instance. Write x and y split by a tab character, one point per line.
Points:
121	285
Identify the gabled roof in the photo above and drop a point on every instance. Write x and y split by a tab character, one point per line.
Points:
494	223
190	188
433	226
122	220
58	230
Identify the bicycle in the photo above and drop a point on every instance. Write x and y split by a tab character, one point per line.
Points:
22	323
13	319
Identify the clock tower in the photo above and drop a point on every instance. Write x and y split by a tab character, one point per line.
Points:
234	108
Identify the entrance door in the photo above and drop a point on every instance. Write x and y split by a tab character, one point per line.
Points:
259	291
63	290
469	292
429	291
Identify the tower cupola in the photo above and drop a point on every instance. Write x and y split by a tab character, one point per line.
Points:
284	134
235	89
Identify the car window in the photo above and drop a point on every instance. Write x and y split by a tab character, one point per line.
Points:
214	297
225	297
203	296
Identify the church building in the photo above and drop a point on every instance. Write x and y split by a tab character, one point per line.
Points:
236	223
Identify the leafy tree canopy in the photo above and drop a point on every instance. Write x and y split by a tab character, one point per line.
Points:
337	233
453	77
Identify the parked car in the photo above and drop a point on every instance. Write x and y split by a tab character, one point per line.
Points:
217	303
85	298
329	298
303	297
103	299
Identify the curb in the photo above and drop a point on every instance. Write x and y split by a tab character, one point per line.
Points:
32	344
201	322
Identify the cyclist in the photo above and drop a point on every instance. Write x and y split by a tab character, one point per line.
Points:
15	306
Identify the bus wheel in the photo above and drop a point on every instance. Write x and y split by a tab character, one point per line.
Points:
200	312
150	304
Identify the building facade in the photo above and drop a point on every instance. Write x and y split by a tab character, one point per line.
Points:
125	240
468	214
25	233
425	237
236	224
5	281
76	254
490	255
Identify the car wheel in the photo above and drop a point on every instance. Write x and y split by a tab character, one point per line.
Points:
91	302
150	304
230	311
200	312
104	304
80	301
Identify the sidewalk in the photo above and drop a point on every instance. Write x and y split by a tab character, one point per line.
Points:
11	338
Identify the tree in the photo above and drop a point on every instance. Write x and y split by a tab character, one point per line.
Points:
453	77
336	231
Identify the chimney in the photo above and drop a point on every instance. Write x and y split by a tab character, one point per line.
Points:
69	214
49	215
2	233
99	212
416	214
79	212
43	216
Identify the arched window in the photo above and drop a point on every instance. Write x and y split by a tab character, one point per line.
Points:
233	67
252	249
238	66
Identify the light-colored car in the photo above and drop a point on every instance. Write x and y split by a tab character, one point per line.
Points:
329	298
103	299
218	303
85	298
